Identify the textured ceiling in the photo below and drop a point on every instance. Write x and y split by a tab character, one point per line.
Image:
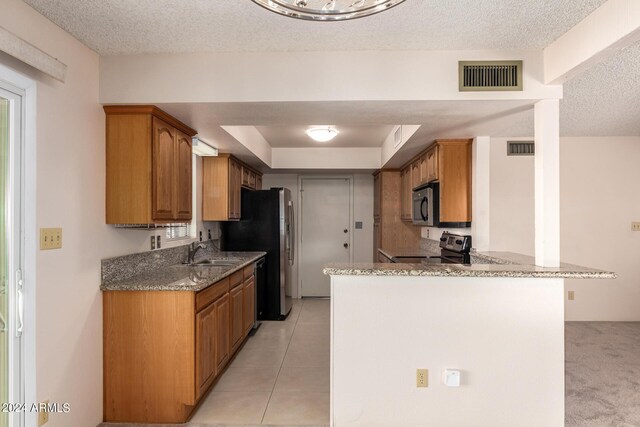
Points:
114	27
605	99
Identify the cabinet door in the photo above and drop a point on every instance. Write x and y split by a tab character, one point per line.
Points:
405	193
258	182
377	187
205	348
246	177
432	164
377	240
222	332
237	320
235	183
248	303
423	169
415	174
252	180
184	176
163	171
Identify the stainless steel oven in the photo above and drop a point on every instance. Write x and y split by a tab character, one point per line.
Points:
426	205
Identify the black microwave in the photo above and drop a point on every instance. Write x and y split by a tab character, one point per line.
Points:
426	205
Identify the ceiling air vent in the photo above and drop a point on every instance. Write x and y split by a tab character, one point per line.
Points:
521	148
490	75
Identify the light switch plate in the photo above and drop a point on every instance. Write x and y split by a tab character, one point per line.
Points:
451	377
50	238
571	295
43	415
635	226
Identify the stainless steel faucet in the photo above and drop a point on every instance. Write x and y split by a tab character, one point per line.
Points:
193	249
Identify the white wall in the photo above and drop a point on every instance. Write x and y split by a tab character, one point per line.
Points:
70	166
512	199
362	211
492	329
599	200
597	205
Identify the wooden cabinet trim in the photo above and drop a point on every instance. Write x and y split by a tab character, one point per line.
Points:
152	110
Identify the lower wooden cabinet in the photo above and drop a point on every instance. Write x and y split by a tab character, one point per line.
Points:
163	350
223	325
248	302
206	343
237	320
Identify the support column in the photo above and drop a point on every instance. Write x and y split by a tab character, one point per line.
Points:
547	182
481	193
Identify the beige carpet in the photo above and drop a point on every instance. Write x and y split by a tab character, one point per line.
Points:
602	374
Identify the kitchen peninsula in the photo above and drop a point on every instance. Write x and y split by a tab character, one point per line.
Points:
501	325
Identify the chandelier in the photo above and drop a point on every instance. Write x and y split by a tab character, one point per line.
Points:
327	10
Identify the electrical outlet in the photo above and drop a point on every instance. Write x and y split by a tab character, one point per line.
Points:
572	295
158	242
50	238
153	242
43	414
422	378
635	226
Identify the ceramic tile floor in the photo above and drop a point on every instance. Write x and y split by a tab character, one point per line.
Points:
280	376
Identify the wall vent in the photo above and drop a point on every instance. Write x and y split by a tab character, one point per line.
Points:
490	76
521	148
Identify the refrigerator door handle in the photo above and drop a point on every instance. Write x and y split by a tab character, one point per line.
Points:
292	239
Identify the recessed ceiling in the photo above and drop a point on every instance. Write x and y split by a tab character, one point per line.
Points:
150	26
349	136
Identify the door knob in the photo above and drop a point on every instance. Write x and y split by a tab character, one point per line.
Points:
346	231
346	245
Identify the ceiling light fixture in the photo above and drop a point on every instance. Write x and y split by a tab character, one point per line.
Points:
322	133
327	10
202	149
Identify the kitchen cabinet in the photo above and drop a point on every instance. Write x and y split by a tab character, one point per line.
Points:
223	327
415	173
447	162
222	180
163	350
206	343
423	169
258	182
237	320
432	164
390	231
248	300
148	166
406	194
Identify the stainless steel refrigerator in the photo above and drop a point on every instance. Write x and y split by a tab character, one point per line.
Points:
267	225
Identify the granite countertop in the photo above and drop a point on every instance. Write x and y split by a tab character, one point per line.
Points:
407	253
498	264
180	277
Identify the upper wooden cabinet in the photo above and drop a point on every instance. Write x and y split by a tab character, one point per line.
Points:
406	194
222	180
148	167
389	231
448	162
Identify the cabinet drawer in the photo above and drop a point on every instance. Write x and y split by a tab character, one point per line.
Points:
212	293
248	271
235	279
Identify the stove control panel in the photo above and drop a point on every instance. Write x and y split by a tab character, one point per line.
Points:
455	242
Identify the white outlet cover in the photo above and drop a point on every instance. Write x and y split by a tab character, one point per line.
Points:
451	377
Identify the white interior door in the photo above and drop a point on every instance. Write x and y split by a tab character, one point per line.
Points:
325	230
